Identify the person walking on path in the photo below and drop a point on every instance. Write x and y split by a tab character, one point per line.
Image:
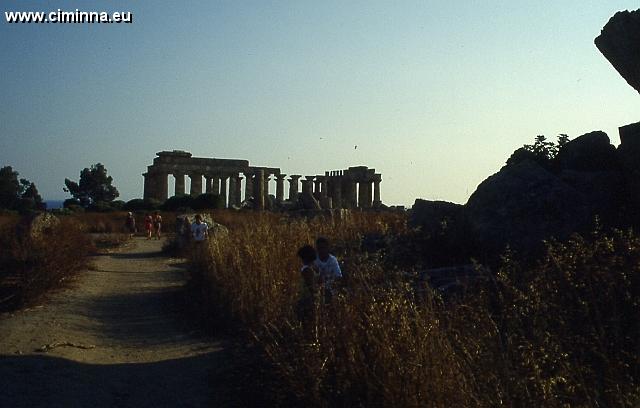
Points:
199	230
130	224
148	225
157	224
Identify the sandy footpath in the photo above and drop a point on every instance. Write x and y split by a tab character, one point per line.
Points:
116	338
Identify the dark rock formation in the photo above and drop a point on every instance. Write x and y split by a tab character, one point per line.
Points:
430	215
522	205
629	149
590	152
619	42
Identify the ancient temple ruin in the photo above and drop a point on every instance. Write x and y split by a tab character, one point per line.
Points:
355	187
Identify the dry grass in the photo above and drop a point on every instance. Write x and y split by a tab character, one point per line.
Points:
30	266
561	333
114	222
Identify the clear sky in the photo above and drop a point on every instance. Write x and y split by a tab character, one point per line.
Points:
435	94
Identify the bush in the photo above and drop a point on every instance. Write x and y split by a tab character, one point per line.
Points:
139	204
101	206
31	266
207	201
118	205
71	202
174	203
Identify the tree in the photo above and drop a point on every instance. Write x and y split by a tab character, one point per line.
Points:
9	188
94	186
18	194
541	151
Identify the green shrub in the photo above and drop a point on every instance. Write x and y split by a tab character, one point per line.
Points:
139	204
208	202
177	202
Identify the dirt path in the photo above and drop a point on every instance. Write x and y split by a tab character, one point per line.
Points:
126	342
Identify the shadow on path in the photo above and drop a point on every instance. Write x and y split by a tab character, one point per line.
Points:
43	381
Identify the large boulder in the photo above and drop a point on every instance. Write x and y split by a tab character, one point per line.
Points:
589	152
619	42
430	215
605	192
629	149
522	205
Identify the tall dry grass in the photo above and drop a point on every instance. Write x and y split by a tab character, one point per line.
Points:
563	332
32	265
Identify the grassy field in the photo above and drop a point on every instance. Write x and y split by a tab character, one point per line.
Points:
561	332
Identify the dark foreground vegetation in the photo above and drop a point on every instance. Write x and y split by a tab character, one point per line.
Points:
34	262
562	331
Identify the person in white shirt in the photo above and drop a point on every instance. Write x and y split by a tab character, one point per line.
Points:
327	266
199	229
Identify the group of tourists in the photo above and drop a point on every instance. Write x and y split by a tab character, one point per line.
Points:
152	225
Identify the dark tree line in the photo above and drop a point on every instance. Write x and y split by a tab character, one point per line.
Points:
18	194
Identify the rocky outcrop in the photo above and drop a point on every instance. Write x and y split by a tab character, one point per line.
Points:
522	205
527	202
619	42
430	215
590	152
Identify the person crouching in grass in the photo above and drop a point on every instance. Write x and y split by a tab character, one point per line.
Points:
328	267
306	309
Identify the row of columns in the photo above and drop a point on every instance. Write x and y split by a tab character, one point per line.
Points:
333	190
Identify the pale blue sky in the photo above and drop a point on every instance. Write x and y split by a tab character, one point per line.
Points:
435	94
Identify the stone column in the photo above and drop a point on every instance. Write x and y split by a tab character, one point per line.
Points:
337	192
232	190
208	184
309	184
317	184
259	190
353	192
149	186
376	190
280	188
267	179
162	187
215	184
324	185
179	188
364	194
223	189
237	193
248	187
196	184
293	187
